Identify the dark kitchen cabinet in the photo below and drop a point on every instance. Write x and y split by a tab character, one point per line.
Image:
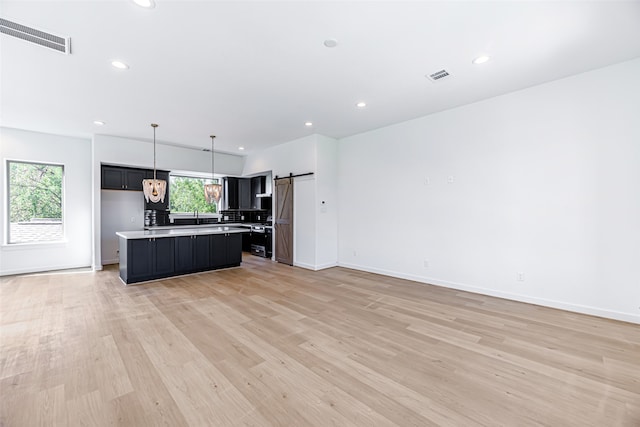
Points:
202	255
231	193
226	249
148	259
237	193
155	258
244	193
184	254
112	178
192	253
246	242
258	185
160	206
121	178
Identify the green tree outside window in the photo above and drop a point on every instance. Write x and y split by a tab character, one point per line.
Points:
35	201
187	194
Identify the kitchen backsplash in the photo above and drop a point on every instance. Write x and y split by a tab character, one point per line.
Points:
252	216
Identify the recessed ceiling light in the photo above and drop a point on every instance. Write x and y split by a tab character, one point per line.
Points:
119	64
361	104
308	124
241	148
149	4
481	59
98	122
331	43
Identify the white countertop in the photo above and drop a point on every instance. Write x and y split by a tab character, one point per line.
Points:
194	226
190	226
182	231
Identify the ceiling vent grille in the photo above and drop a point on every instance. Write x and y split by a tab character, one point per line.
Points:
438	75
51	41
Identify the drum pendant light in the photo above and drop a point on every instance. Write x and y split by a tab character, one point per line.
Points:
212	192
154	189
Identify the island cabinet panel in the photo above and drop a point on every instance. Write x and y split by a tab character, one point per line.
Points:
184	254
163	257
149	259
140	264
202	252
192	253
226	250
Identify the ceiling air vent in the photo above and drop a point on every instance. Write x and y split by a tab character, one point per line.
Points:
51	41
438	75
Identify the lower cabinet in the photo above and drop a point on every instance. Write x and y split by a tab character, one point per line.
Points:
155	258
149	259
226	249
192	253
246	242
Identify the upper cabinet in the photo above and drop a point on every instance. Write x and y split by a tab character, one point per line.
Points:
230	189
240	193
120	178
258	185
130	179
237	193
244	193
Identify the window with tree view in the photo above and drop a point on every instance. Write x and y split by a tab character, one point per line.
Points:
187	194
35	202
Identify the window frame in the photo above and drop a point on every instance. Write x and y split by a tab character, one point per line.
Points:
205	180
7	224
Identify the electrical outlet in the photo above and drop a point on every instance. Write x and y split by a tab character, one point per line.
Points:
451	179
425	263
354	253
427	181
520	276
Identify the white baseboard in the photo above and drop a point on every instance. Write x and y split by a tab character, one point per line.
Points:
326	265
41	269
315	267
304	265
576	308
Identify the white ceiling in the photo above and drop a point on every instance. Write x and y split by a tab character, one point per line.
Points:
253	72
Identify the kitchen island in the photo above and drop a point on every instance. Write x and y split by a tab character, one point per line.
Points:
156	254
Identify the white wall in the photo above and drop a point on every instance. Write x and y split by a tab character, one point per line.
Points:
120	211
326	204
294	157
315	227
75	155
129	152
546	182
304	222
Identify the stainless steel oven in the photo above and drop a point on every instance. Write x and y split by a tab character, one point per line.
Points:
261	240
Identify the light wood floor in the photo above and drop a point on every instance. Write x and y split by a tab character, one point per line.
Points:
273	345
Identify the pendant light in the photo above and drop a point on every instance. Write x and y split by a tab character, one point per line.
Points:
212	192
154	189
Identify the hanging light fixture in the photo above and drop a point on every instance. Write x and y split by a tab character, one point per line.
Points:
212	192
154	189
